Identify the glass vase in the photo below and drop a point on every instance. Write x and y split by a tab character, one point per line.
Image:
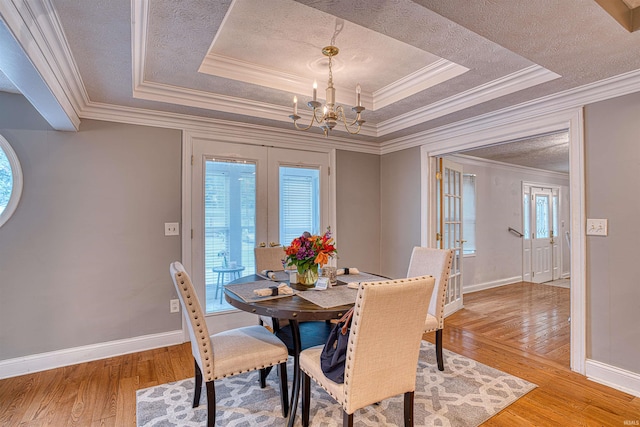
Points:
308	277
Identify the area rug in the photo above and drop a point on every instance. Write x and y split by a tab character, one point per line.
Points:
466	393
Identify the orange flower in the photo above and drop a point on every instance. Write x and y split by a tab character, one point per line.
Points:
322	258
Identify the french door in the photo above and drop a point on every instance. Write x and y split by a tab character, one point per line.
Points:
245	196
449	226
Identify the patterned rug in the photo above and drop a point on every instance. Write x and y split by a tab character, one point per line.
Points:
467	393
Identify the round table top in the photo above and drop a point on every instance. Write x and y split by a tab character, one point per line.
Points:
294	307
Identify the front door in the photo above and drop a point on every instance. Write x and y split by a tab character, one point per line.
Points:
245	196
542	236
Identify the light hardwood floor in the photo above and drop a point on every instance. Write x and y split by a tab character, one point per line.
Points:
521	329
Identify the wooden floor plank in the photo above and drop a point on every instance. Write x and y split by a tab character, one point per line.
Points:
522	329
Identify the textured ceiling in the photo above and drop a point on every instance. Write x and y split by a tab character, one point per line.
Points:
422	64
547	152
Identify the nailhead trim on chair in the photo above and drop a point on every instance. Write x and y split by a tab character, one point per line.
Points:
444	277
205	341
202	332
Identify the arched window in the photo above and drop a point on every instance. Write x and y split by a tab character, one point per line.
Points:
10	181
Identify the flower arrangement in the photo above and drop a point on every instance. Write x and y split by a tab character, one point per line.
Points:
307	252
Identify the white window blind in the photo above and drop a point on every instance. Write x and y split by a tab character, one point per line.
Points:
299	202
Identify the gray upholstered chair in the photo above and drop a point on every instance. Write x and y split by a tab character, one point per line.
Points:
226	353
436	263
382	351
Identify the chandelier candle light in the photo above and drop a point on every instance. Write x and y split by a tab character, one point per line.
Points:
330	113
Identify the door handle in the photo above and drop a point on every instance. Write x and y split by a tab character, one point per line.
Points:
274	244
461	241
262	245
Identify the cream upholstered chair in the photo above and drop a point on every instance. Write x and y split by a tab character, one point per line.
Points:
269	259
437	263
226	353
382	351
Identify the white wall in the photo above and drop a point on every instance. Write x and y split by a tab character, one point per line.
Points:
498	258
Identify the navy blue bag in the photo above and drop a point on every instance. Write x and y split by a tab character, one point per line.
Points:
334	353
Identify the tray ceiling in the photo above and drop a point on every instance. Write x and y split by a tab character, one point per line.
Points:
422	64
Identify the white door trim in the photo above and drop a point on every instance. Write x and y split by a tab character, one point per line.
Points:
447	142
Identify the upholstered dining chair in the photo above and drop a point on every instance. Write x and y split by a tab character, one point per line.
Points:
269	258
436	263
382	349
226	353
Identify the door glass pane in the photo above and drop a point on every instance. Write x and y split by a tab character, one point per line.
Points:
555	216
229	226
526	215
299	202
542	216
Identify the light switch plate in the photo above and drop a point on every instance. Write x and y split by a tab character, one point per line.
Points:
597	227
171	228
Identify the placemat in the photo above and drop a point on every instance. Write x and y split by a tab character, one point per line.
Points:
245	290
360	277
279	276
332	297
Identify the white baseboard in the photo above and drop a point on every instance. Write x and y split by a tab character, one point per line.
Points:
71	356
489	285
620	379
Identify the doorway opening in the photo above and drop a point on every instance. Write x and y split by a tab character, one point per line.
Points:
487	134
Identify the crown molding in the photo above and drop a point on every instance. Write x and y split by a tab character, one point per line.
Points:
238	70
506	85
228	104
431	75
51	82
36	27
224	130
235	69
456	135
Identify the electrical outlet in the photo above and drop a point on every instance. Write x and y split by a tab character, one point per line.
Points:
171	228
174	305
597	227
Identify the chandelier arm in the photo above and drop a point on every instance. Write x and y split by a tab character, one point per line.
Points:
304	128
343	117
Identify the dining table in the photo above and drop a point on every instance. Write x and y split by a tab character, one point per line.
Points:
309	323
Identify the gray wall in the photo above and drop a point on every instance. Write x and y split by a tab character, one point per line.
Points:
499	206
84	258
612	154
399	210
358	210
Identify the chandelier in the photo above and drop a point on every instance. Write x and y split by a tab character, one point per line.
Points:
330	114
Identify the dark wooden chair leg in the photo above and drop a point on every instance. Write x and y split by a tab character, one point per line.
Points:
263	377
211	404
408	409
306	399
284	390
439	350
347	419
198	389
